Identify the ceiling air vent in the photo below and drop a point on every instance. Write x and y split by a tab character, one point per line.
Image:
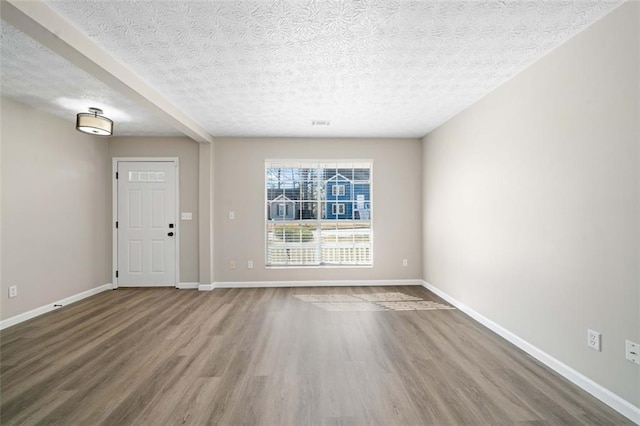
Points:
320	122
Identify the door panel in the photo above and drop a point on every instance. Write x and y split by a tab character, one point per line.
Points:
157	256
146	209
135	256
135	208
158	220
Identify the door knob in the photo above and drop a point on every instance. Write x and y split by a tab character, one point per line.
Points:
170	234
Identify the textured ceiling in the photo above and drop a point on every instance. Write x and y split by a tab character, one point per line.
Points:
269	68
34	75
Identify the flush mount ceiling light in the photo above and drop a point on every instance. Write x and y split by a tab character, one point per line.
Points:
93	123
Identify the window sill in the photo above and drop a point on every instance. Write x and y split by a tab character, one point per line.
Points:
318	266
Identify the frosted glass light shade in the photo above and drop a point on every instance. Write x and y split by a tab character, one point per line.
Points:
94	124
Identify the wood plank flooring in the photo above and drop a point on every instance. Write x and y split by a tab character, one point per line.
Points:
265	357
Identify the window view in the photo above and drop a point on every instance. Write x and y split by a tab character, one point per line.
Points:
318	213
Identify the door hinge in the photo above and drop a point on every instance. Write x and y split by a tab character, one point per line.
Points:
116	274
116	175
116	224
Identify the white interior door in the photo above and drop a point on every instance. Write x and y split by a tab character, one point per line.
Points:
146	223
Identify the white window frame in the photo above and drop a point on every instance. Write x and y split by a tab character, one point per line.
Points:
338	190
337	208
297	163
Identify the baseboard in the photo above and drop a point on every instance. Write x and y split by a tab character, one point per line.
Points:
188	286
52	306
206	287
318	283
619	404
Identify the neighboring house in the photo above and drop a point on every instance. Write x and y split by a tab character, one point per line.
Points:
302	210
282	208
346	200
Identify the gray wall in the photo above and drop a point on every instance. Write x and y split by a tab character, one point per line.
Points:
239	187
187	151
206	240
56	239
531	203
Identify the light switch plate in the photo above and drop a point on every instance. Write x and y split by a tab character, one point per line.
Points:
632	351
186	216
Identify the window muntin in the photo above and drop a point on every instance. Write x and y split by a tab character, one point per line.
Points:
327	216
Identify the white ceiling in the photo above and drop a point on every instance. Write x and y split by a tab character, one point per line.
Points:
268	68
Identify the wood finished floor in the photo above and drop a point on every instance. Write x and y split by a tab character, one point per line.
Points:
262	356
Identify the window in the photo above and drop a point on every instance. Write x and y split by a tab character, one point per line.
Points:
337	209
326	220
338	190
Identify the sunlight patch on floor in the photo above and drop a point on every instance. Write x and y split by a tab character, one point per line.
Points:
392	301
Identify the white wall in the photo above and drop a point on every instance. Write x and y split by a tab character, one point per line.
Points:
532	202
56	239
239	187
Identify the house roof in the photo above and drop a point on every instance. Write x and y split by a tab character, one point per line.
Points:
282	197
337	177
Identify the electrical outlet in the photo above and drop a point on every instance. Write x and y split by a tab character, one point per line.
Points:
405	262
593	340
232	215
13	291
249	264
632	351
232	264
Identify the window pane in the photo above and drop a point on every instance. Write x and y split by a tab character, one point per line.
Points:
292	244
308	210
346	243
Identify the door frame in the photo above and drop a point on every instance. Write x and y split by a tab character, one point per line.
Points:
114	204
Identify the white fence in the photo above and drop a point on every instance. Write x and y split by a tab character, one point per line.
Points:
309	254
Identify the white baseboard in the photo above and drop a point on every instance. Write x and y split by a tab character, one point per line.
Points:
319	283
53	305
188	286
619	404
206	287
